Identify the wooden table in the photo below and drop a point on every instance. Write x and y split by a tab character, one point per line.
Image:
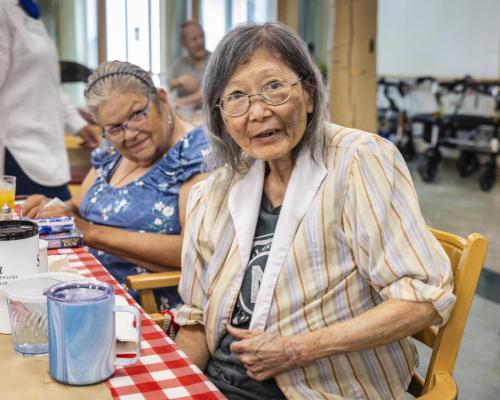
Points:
162	372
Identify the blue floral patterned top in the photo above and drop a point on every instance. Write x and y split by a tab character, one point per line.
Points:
150	204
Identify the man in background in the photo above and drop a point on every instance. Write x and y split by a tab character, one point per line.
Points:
187	72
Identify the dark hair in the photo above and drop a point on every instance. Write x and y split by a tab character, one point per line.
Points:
235	49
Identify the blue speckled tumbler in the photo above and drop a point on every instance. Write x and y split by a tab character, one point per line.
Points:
82	347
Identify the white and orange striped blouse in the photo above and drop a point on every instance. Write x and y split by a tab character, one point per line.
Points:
350	235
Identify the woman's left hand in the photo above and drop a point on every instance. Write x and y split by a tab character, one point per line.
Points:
264	354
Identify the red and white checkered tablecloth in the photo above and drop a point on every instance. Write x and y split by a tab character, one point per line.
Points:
163	371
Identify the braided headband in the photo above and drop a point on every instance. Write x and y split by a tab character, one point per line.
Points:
134	74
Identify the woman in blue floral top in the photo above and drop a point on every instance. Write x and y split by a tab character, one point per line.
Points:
131	205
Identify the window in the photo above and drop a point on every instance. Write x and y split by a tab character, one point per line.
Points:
133	33
234	12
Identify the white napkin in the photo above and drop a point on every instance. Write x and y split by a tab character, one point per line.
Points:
56	201
124	323
59	263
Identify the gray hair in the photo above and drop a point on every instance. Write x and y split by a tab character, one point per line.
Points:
235	49
116	76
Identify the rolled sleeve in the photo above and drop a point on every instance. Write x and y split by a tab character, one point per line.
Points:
392	245
192	287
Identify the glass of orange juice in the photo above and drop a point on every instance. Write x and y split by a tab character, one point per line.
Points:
7	190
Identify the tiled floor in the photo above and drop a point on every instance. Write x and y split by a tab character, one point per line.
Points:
459	206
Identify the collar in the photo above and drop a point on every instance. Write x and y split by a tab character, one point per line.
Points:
244	203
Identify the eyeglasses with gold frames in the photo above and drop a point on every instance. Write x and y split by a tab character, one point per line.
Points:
274	93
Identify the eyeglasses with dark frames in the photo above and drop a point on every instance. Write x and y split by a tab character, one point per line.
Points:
135	121
274	93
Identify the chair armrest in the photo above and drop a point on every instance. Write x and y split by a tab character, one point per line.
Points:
158	318
153	280
444	388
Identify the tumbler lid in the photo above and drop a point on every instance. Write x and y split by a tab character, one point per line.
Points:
16	230
80	292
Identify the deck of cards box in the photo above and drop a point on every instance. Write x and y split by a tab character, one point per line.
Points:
60	232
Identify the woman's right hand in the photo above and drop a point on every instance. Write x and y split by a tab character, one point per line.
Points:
188	82
35	207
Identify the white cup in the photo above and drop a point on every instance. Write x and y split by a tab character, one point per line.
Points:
19	249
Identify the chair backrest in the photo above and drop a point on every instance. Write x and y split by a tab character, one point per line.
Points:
74	72
467	259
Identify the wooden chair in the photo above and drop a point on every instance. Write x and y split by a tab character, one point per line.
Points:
145	283
73	72
467	258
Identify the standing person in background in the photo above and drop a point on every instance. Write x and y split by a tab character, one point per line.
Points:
33	108
187	72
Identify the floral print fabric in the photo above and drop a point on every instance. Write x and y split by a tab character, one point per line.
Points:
150	204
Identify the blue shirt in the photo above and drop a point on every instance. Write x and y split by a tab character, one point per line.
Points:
149	204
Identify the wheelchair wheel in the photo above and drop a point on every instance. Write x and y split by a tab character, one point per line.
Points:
407	148
488	177
428	163
467	163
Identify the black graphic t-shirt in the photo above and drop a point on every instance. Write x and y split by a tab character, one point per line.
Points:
224	369
244	306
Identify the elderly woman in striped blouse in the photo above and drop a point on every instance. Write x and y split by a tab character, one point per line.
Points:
306	261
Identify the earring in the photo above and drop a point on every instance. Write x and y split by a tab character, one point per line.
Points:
170	121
